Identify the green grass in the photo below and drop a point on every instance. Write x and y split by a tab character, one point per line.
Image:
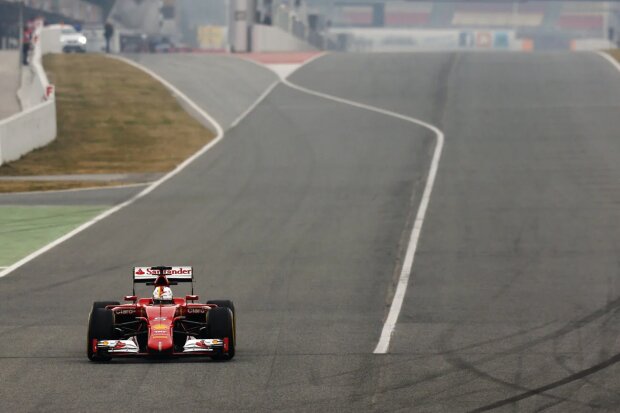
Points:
24	229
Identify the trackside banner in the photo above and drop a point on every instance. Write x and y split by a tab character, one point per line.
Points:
174	274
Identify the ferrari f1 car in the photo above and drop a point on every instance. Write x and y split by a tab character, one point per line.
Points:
161	325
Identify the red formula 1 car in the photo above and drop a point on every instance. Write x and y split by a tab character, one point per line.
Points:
162	325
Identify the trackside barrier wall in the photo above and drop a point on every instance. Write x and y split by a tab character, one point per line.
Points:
28	130
35	126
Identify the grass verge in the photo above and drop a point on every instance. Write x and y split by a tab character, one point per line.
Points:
26	229
112	118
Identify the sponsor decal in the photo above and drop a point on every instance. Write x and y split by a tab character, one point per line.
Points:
122	311
160	331
174	271
212	37
484	39
501	40
196	311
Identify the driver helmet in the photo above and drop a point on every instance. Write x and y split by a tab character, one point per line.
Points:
162	295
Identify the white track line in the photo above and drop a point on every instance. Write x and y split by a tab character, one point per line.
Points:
219	135
253	106
307	62
272	70
610	59
403	280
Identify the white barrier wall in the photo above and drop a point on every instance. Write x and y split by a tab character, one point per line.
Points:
35	126
274	39
35	87
27	130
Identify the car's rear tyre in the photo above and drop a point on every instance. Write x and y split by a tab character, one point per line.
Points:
220	323
100	327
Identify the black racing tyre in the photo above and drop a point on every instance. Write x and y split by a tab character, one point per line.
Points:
104	304
221	325
224	303
228	304
100	327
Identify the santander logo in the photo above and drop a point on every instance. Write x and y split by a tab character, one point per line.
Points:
178	271
174	271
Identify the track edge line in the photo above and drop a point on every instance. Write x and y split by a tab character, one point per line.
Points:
389	325
609	58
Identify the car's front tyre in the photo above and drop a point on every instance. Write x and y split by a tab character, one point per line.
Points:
100	327
220	324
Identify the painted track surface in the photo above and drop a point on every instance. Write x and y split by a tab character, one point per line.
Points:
297	215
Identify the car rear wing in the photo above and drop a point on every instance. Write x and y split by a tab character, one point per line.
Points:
170	275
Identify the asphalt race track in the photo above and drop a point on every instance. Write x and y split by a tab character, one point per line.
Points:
301	214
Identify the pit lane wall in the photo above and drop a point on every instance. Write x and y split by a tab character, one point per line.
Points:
35	125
